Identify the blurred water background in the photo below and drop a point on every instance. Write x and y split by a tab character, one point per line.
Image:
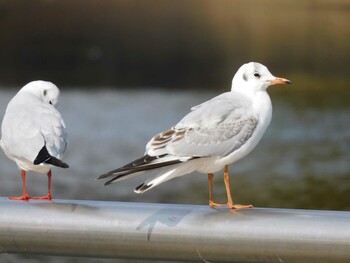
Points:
129	69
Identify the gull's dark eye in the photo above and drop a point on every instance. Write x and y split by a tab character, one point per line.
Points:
50	102
257	75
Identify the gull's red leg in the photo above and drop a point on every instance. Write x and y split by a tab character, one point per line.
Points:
25	195
48	196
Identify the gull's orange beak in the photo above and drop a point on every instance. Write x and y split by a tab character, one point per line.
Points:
279	81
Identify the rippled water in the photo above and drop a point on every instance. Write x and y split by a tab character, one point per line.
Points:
301	162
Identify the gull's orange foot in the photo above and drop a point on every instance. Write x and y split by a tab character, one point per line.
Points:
212	204
237	206
232	206
24	197
44	197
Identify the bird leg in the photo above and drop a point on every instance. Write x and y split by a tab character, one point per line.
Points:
25	195
48	196
211	202
228	191
210	180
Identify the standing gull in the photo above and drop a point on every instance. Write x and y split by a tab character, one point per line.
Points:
33	132
213	135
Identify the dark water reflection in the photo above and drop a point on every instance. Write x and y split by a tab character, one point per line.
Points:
301	162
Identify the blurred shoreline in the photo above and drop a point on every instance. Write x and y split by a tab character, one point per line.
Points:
167	44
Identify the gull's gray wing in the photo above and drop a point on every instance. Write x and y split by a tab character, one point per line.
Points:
214	128
27	129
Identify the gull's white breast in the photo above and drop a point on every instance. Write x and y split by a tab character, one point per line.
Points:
262	109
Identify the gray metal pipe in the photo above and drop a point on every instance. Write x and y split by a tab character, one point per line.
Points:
173	232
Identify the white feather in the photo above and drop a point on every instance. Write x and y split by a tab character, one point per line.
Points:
215	133
30	122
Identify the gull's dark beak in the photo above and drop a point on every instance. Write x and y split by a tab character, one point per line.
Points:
279	81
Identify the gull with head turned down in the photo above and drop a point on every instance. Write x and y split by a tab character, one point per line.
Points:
33	132
213	135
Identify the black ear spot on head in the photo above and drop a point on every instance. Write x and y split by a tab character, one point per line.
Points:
44	92
245	77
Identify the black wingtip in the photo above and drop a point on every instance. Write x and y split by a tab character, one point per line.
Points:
142	188
44	157
56	162
102	176
107	183
140	165
111	181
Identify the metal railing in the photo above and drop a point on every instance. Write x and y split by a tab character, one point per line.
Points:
173	232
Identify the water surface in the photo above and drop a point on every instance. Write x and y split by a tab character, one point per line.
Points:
301	162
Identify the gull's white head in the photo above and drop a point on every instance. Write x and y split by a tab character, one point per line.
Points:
43	90
253	76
